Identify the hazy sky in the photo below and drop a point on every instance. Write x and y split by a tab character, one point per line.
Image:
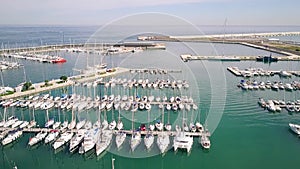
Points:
200	12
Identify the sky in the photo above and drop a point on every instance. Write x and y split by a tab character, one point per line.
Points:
199	12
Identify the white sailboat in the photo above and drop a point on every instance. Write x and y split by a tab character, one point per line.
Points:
72	124
12	136
38	138
63	139
163	141
120	138
89	140
104	141
77	140
135	137
149	138
51	136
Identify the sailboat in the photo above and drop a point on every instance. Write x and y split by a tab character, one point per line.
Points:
49	122
77	140
149	138
135	137
38	138
103	142
163	139
32	123
72	124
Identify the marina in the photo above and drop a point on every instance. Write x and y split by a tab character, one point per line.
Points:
98	99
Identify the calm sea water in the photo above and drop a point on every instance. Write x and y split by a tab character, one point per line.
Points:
245	137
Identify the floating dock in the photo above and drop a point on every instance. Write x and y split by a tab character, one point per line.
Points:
128	132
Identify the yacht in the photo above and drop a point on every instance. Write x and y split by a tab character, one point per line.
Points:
36	139
51	136
12	136
120	138
77	140
182	141
63	139
295	128
104	142
135	140
163	141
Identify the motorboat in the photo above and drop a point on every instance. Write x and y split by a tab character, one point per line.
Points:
295	128
204	141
